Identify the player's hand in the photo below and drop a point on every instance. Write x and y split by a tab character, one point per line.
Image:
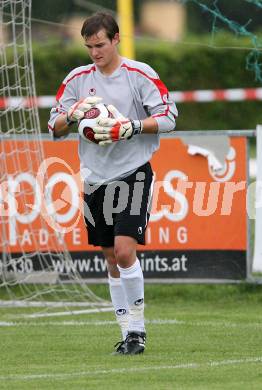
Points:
77	110
114	129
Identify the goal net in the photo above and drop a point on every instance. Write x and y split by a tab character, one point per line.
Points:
28	276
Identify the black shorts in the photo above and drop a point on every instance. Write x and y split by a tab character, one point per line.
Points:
120	208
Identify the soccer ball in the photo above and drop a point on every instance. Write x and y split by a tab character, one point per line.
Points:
86	125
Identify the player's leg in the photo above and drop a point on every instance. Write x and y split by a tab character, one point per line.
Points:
101	234
117	292
133	283
132	280
130	227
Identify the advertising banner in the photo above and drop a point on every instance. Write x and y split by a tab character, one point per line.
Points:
198	223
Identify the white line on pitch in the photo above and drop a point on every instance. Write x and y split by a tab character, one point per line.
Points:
150	322
118	371
67	313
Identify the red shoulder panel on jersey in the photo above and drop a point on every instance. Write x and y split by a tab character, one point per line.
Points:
158	83
63	85
60	91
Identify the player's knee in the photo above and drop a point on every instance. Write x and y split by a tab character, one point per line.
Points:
125	255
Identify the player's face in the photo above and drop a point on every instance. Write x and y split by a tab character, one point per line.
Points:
102	50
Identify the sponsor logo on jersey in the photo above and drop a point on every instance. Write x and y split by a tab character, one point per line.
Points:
92	91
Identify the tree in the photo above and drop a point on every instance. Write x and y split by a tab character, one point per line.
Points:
241	11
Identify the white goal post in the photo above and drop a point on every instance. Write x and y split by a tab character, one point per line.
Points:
257	262
45	288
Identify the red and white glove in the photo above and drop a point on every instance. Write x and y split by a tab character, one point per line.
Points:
114	129
77	110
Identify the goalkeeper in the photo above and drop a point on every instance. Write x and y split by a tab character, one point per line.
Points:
120	155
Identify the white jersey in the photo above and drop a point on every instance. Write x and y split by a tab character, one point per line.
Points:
137	92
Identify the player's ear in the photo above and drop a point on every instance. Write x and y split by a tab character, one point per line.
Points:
116	38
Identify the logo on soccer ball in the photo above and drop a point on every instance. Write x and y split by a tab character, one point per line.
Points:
92	91
92	113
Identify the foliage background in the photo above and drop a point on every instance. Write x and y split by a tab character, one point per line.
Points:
181	67
210	55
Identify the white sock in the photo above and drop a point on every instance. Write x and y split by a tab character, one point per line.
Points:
133	283
120	304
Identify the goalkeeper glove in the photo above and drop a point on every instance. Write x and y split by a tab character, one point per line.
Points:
77	110
117	128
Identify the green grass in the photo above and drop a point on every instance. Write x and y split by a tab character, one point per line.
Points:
200	324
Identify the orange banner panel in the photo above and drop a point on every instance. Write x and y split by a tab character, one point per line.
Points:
193	208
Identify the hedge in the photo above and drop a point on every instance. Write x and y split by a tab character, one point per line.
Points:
186	68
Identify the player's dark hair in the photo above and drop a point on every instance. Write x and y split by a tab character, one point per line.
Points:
100	20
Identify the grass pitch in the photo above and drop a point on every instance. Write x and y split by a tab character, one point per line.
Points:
199	337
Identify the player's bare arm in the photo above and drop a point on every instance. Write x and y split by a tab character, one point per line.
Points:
61	126
150	126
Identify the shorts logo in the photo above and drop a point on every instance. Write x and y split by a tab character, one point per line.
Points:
139	302
120	312
92	91
140	230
